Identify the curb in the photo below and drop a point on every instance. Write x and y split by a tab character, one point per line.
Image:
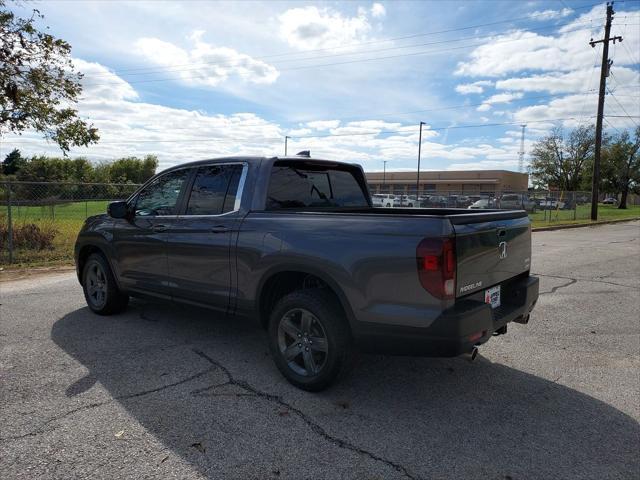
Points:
582	225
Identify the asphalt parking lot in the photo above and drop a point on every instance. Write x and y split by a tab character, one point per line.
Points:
170	392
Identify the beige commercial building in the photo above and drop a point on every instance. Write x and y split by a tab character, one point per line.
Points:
468	181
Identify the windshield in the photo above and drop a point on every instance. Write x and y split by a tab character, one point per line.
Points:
303	185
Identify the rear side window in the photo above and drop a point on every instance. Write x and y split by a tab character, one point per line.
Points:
305	185
214	190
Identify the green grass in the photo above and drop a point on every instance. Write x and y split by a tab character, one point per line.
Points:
67	219
582	215
61	211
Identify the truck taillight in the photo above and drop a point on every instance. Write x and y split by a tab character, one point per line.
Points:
436	258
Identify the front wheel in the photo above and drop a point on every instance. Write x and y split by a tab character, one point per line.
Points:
100	289
309	339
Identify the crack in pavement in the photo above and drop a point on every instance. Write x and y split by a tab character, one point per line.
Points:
42	429
558	287
252	391
623	241
583	280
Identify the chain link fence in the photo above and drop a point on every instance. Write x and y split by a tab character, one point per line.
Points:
543	207
39	221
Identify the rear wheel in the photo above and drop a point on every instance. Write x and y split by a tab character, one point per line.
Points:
309	339
100	289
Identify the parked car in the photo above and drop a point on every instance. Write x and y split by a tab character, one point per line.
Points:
462	201
404	201
516	201
483	203
610	201
296	244
435	201
383	200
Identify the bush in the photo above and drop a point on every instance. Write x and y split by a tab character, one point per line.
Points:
28	236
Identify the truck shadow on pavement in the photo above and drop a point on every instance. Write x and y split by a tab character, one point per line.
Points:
208	391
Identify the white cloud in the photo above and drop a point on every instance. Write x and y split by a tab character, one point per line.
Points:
310	27
571	82
100	82
498	98
205	64
475	87
563	51
486	165
544	15
503	98
378	10
580	110
323	124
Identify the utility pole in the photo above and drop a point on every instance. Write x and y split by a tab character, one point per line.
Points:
521	152
419	151
604	73
286	138
384	174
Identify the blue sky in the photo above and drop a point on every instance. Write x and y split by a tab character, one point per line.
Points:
193	80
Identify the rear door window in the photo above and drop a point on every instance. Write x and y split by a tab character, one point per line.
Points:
214	190
304	186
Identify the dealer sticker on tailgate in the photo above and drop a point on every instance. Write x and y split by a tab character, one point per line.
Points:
492	296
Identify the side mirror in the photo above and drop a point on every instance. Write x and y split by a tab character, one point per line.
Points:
118	209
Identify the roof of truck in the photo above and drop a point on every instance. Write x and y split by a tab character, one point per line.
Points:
248	159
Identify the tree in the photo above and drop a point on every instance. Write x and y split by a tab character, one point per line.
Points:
621	165
13	162
38	84
562	162
133	169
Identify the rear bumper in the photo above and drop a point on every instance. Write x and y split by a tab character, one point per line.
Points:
456	330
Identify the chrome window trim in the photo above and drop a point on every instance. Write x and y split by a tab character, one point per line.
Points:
239	192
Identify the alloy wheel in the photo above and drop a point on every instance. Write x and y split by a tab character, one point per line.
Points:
302	342
96	284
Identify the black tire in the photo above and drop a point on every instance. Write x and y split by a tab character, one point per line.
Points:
328	319
100	288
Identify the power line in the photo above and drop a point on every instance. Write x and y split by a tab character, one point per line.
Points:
305	67
151	70
630	117
371	42
618	101
611	125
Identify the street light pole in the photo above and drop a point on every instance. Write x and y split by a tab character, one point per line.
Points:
384	174
286	138
419	151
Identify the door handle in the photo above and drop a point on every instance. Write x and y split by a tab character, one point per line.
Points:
220	229
159	228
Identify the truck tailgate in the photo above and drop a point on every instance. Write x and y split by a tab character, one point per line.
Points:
490	250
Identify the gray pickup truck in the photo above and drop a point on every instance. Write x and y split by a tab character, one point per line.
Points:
297	244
